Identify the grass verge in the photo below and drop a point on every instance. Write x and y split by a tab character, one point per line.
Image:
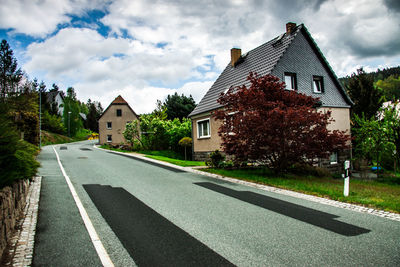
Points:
383	194
163	155
49	138
179	162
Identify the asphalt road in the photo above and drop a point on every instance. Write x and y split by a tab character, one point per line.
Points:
146	215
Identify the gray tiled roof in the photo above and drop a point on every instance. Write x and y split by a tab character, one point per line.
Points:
261	60
51	96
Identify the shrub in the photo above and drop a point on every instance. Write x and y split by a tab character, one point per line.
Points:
216	159
185	142
306	169
17	157
52	123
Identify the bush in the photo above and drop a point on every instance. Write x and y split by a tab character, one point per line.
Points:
17	157
216	159
52	123
306	169
387	160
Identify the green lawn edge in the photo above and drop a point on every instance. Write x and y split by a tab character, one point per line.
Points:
148	154
370	194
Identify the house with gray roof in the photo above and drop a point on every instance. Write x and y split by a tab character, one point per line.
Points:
295	58
56	98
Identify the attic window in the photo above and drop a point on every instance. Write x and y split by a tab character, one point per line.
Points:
318	84
119	112
290	81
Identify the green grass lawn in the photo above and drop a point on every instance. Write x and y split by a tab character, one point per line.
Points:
163	155
49	138
383	194
179	162
171	157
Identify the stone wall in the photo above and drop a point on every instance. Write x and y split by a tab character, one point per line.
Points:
339	166
12	204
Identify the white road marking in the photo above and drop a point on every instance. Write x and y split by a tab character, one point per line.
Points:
101	251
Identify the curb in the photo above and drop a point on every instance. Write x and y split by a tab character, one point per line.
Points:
330	202
20	251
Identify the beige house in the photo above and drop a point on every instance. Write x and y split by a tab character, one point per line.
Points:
295	58
113	120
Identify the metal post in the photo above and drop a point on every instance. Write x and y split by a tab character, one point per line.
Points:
346	178
69	115
40	119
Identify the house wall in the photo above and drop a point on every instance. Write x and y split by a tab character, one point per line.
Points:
341	117
302	60
60	103
118	124
202	147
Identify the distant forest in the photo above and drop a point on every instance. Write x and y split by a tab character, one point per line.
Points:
387	80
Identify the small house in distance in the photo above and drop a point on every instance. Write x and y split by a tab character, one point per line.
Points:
56	99
113	120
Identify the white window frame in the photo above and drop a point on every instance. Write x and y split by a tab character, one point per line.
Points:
198	129
108	128
336	157
293	81
108	139
320	79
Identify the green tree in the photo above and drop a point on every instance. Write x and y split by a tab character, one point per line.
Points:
367	98
390	87
132	133
185	142
371	139
94	112
391	128
10	74
72	108
24	111
154	132
178	106
160	111
17	157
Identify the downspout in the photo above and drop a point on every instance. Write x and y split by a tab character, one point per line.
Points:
192	139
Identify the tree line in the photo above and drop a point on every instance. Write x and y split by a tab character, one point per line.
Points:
375	117
19	117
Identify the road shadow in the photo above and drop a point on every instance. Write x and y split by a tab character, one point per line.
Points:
317	218
149	238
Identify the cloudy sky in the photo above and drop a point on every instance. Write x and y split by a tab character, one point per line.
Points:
147	49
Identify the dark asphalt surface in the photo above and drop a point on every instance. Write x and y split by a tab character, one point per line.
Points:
151	216
148	237
61	237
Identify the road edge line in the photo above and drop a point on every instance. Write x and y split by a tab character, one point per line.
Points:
98	245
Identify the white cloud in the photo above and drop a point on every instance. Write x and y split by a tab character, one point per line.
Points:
154	46
40	18
196	89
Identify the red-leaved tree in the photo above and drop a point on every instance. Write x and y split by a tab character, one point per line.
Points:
267	123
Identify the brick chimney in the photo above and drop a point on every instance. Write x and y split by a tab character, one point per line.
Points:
290	27
235	55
